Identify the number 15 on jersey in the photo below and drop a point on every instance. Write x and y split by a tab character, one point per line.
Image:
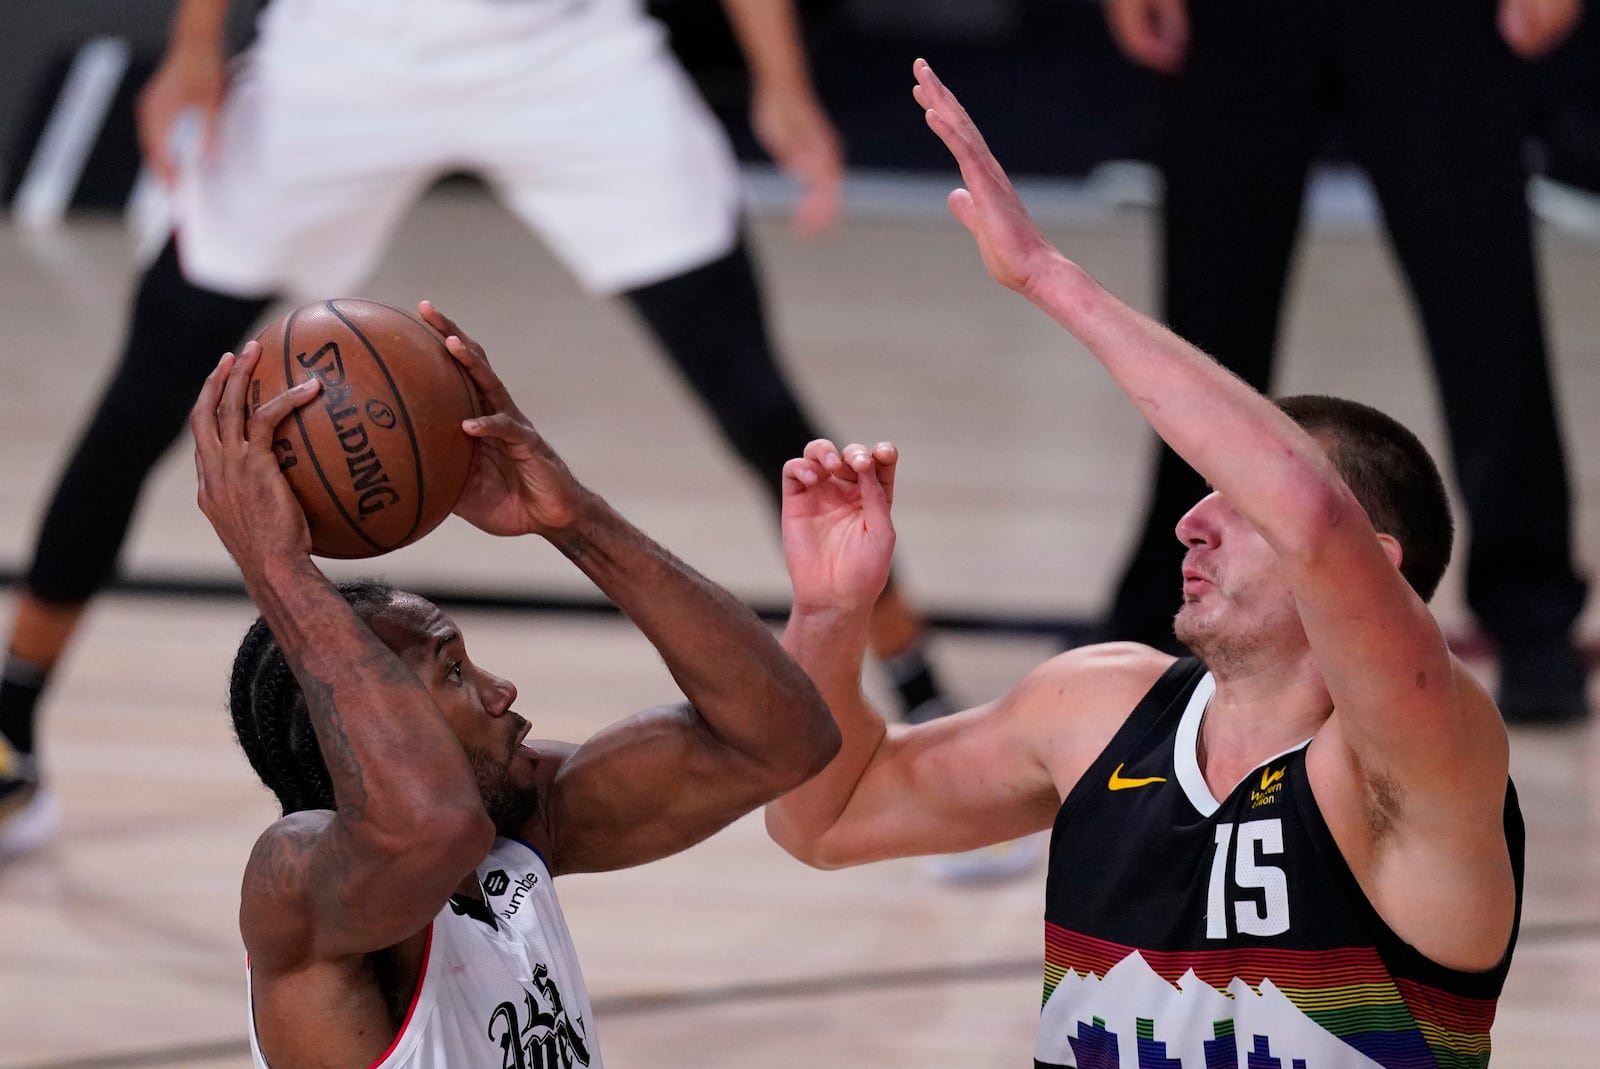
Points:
1258	891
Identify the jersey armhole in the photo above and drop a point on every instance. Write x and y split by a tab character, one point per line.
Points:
402	1034
1405	961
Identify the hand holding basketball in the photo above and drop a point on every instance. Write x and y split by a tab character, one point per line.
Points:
381	460
518	484
240	489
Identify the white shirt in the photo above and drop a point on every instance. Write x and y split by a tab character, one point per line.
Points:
486	991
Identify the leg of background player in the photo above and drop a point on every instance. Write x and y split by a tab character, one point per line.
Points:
727	359
176	333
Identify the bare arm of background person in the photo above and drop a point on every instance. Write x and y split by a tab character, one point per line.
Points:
1155	33
1152	33
785	114
1533	27
192	76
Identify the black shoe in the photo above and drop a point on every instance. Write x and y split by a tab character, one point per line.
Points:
1542	683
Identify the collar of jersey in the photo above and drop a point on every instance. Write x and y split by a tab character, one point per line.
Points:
1186	749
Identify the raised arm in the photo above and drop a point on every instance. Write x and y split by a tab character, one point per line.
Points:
1410	726
753	724
977	777
409	824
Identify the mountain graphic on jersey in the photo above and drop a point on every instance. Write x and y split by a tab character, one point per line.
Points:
1133	1019
1110	1007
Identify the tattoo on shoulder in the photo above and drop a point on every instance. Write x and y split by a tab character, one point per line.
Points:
301	858
278	862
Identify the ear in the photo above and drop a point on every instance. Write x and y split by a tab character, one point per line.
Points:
1391	549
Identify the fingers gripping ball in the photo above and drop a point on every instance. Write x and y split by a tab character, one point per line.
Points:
378	459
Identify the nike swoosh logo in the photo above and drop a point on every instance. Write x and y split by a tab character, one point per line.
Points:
1269	777
1119	782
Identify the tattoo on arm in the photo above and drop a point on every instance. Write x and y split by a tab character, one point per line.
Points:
344	767
574	548
338	753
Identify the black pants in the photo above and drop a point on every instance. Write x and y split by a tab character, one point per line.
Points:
1435	109
709	321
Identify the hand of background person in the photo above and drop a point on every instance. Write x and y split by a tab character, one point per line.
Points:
796	133
1533	27
838	538
241	489
518	485
191	77
1011	243
1152	33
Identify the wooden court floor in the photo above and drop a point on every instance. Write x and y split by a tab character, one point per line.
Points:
1020	484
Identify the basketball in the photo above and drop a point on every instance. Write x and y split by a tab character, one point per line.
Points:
378	458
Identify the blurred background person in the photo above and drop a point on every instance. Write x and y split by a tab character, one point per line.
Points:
1435	100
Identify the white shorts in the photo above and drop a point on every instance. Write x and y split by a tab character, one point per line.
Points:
344	111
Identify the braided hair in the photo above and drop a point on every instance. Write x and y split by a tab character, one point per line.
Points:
269	711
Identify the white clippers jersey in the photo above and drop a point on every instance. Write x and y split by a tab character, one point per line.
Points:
510	995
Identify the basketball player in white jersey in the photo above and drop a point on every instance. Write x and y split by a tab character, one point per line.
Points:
1299	849
400	915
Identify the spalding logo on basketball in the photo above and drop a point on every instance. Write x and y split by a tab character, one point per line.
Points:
378	458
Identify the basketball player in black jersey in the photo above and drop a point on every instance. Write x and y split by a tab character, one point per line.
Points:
1299	849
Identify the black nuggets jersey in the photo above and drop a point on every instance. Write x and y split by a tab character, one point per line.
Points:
1188	932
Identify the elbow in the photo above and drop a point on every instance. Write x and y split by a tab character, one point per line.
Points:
454	834
1319	511
459	837
813	750
808	849
824	744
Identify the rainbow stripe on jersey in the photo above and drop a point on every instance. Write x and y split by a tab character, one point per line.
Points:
1397	1023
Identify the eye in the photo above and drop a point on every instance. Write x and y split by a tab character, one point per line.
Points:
455	672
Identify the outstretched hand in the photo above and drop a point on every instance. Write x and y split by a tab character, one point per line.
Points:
1013	248
518	485
838	539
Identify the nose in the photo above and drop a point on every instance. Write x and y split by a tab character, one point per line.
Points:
500	694
1198	526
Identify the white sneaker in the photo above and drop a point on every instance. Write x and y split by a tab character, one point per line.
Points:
989	864
1127	185
29	811
1572	210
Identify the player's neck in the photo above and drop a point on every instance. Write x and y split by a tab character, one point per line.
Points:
1254	716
